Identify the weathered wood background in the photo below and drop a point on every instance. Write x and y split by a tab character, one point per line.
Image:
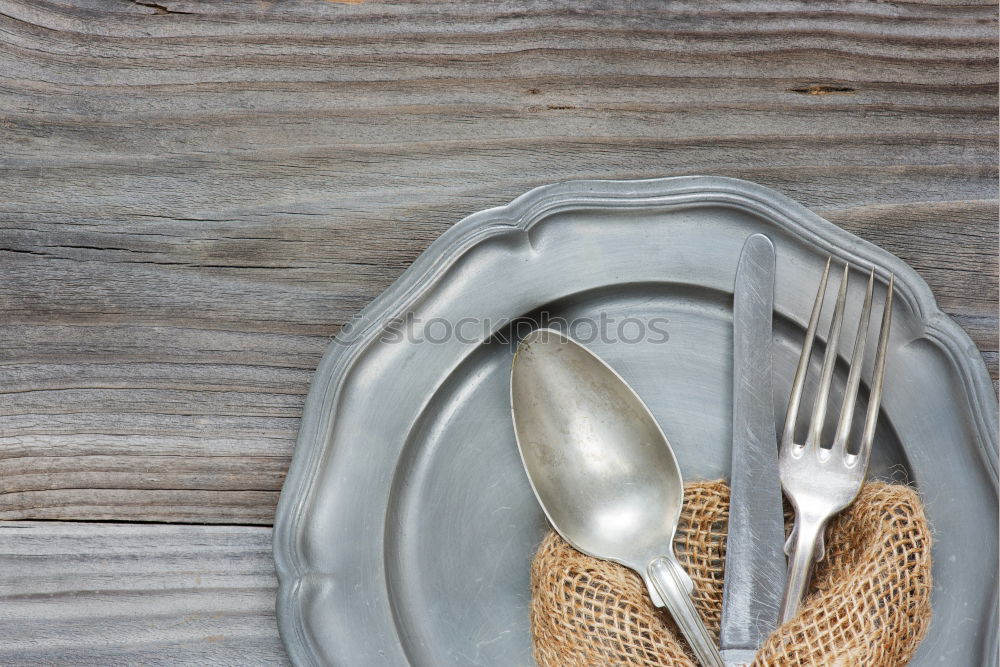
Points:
195	196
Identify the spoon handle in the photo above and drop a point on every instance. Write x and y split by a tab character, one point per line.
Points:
674	587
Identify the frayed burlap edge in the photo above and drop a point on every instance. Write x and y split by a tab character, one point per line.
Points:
869	603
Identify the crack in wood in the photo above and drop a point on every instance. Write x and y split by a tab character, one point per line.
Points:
159	9
818	89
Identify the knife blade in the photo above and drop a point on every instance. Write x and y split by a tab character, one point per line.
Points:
755	560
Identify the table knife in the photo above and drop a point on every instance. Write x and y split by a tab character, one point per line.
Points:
755	560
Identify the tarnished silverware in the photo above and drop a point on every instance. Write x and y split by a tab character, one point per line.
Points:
821	481
602	470
755	564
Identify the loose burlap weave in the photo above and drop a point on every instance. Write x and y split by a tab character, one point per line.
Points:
868	606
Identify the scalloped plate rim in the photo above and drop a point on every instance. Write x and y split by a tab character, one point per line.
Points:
519	216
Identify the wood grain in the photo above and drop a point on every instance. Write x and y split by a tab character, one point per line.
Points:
194	197
104	594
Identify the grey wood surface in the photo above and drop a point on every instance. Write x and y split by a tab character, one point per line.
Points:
195	196
102	594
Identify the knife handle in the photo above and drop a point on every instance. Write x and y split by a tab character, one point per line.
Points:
674	587
738	657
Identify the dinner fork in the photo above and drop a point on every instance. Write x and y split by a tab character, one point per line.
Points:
821	481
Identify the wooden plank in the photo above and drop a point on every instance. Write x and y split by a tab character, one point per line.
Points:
114	594
195	197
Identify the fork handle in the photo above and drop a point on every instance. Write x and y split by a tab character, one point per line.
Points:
806	547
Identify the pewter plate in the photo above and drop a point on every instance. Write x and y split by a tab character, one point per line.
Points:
406	525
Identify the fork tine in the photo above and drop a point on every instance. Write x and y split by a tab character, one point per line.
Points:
878	375
829	360
854	376
788	433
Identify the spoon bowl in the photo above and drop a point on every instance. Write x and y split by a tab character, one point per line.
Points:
599	463
602	469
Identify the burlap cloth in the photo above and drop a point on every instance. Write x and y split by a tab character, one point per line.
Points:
868	606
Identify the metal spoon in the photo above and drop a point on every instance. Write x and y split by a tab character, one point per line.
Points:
602	470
